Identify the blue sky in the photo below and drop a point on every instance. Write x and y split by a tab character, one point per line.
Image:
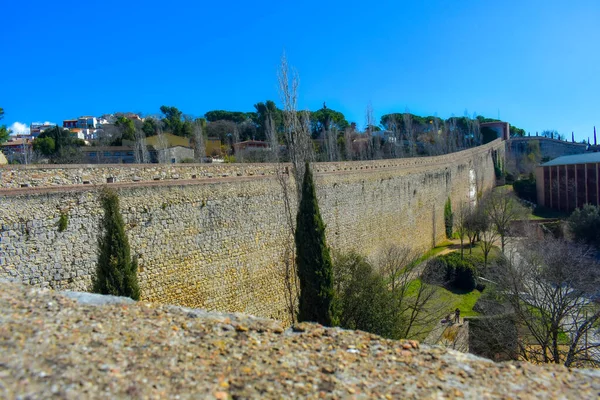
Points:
534	62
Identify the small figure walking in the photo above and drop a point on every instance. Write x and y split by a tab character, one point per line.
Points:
457	316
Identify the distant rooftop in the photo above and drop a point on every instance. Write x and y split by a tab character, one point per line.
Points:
575	159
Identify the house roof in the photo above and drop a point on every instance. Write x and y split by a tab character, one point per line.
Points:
574	159
91	149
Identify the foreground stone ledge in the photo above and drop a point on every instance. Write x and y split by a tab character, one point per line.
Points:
57	345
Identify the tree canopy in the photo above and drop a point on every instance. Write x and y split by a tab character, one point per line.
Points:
4	132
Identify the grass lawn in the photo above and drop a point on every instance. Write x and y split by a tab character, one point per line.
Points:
451	299
435	251
464	301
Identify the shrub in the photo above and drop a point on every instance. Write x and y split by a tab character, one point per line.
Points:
526	189
364	300
316	301
584	224
63	221
452	270
448	218
116	271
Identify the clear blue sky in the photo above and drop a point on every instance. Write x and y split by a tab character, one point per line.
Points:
536	62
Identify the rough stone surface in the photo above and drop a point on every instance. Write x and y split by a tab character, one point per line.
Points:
219	243
53	347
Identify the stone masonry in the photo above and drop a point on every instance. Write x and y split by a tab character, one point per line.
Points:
216	236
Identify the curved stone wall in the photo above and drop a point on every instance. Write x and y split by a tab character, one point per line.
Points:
219	242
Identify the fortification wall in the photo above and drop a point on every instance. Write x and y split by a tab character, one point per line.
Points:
219	243
549	148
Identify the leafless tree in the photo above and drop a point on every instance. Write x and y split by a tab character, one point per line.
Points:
140	151
331	147
161	145
235	139
461	223
198	138
271	134
409	132
296	127
550	284
348	146
416	301
503	208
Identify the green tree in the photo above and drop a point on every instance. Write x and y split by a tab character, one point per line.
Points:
127	128
448	218
325	119
366	301
44	145
316	302
116	271
173	120
150	126
584	223
4	132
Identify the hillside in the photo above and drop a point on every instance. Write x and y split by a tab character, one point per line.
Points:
57	346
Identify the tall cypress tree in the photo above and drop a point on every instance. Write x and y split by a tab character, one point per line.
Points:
116	272
316	303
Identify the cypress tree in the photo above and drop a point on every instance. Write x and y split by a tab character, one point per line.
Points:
316	302
116	272
448	218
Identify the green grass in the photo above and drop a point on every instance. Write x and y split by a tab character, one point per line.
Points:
464	301
435	251
450	299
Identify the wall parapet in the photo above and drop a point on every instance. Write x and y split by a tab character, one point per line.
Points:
52	176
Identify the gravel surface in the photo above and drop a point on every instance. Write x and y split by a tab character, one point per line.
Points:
53	346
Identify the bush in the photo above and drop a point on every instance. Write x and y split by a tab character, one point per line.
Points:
584	224
526	189
63	221
452	270
364	300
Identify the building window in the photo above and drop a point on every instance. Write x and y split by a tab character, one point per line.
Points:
92	154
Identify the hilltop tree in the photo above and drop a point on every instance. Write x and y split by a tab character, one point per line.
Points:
316	302
116	271
4	132
173	120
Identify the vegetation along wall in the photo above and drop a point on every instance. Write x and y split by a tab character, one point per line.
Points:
219	241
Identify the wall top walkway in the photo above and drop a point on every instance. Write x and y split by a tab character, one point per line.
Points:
53	176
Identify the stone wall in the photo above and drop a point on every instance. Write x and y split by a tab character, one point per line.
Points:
219	243
549	148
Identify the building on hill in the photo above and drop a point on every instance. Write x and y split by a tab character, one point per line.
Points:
549	148
36	128
108	154
569	182
502	129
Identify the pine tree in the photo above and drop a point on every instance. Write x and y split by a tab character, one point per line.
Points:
116	272
316	302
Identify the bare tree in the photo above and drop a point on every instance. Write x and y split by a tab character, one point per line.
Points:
461	223
198	138
161	145
409	132
550	285
415	301
140	151
348	146
296	127
503	208
296	130
271	134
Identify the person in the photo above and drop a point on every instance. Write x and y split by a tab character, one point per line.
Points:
457	316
